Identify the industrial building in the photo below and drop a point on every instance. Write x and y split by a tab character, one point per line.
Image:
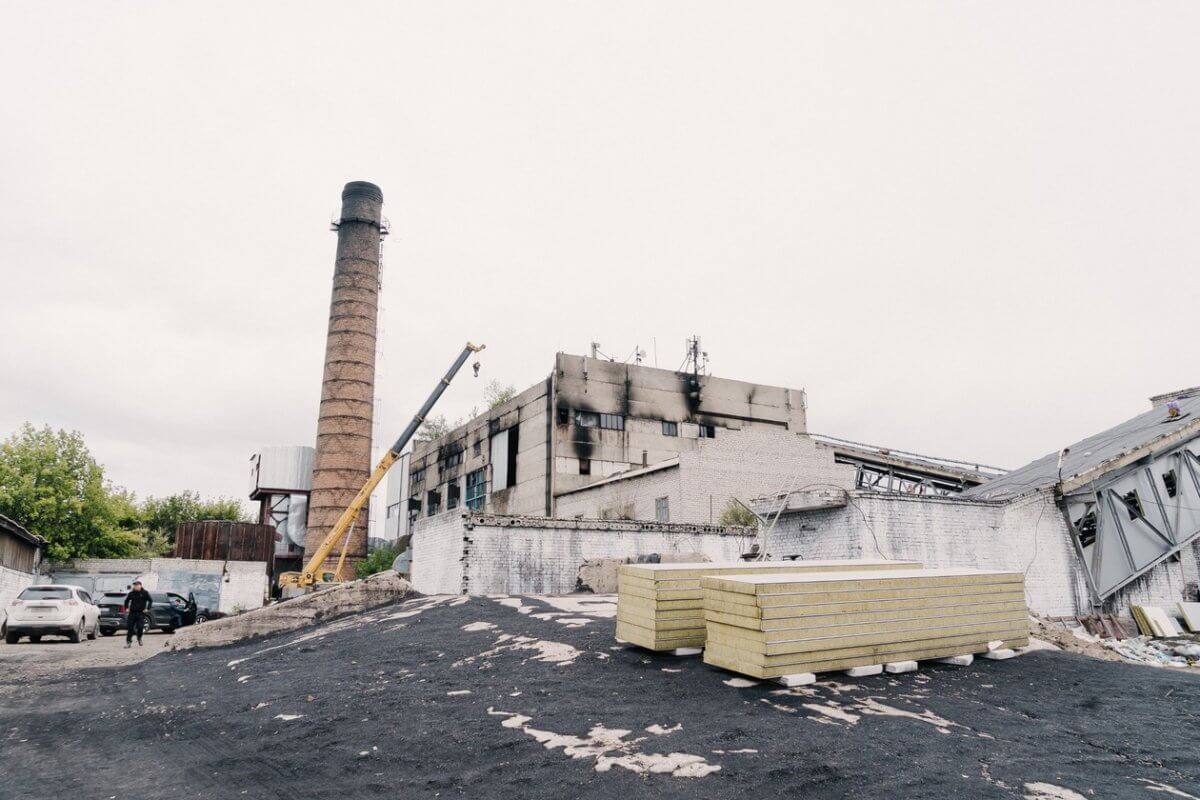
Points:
280	482
588	420
1110	521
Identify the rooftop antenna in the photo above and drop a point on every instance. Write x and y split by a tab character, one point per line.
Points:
697	359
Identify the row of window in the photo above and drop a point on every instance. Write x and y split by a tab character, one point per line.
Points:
476	483
616	422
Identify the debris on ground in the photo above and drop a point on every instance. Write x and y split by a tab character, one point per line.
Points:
1175	652
321	605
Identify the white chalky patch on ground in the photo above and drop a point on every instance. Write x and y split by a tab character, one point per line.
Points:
668	669
573	622
609	748
1155	786
261	705
458	692
872	706
425	604
244	678
479	626
1048	791
460	601
785	709
834	711
598	606
515	602
798	691
546	616
740	683
550	652
659	730
288	717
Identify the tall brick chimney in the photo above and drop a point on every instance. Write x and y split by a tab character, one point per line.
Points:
343	458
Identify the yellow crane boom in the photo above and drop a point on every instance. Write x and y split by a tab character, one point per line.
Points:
345	523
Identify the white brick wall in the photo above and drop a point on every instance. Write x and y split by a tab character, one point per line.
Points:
437	557
13	581
1028	535
514	555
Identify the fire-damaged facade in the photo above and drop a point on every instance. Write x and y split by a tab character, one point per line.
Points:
590	419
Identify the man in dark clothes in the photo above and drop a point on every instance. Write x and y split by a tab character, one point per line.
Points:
137	605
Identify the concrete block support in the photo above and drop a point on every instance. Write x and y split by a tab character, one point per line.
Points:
343	457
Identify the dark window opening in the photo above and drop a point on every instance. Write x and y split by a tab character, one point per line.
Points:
708	432
417	477
587	419
1133	504
512	456
670	428
452	495
1086	526
585	466
479	447
453	460
433	503
476	490
1170	482
564	415
612	422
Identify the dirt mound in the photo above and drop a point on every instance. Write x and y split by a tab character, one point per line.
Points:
289	615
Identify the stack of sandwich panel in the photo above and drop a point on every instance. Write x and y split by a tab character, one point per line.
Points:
766	626
661	606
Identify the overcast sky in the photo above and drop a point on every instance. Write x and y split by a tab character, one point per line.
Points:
966	229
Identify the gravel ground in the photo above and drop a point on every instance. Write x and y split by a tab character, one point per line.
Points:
531	698
26	662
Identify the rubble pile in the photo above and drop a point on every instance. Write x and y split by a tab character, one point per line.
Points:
322	605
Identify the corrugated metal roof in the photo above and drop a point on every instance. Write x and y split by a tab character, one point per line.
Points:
1092	453
16	529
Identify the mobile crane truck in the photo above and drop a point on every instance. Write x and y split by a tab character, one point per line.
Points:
293	583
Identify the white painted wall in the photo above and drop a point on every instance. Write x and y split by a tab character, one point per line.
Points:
235	585
1028	535
514	555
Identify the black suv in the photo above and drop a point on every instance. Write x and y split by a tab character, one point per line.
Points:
168	612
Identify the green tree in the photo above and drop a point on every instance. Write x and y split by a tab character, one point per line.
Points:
737	514
433	428
376	561
160	515
50	483
494	394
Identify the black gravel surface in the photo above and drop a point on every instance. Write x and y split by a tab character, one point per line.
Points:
383	712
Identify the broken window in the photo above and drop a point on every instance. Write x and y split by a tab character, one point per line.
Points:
564	415
452	495
1086	526
433	502
662	509
708	432
1170	482
417	477
476	490
670	428
612	422
453	460
1133	504
585	466
587	419
479	447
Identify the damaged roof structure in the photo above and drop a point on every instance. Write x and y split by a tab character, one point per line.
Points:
1110	521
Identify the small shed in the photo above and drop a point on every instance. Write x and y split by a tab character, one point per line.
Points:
20	550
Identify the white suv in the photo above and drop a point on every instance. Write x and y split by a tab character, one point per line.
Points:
56	610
